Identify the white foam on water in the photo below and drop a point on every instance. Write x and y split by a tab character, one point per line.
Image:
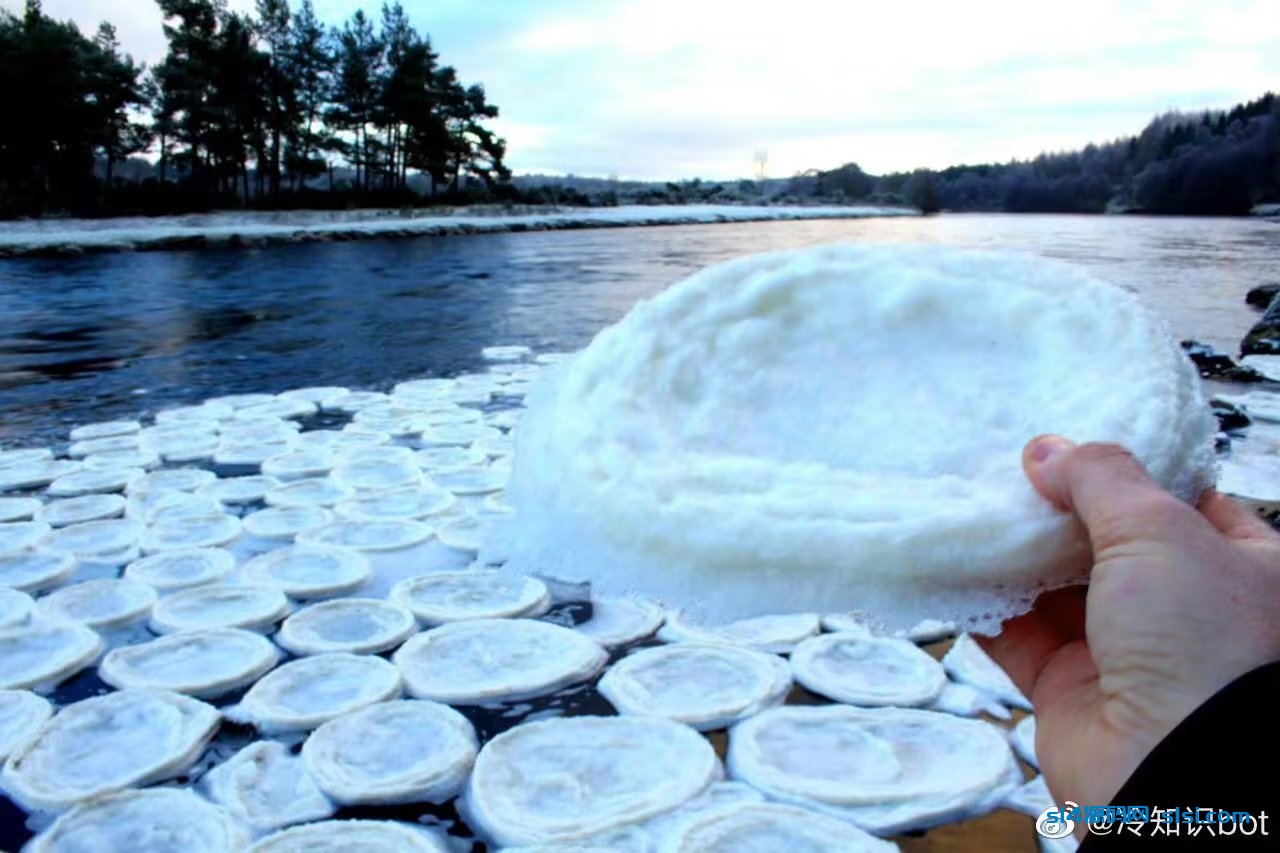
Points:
868	671
311	691
356	625
77	510
203	664
266	788
159	820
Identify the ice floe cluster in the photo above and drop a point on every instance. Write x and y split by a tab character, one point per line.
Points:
259	623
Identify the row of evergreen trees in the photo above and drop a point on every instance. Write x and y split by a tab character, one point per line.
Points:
243	109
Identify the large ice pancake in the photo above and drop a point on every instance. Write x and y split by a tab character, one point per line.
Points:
841	428
266	788
203	664
342	836
155	821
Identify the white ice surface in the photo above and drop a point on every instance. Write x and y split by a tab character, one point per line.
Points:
203	664
255	607
361	626
760	827
160	820
266	788
22	713
99	604
345	836
968	664
170	571
779	633
868	671
308	692
474	594
309	571
41	654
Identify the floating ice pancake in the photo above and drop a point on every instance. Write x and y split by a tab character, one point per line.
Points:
868	671
389	534
966	701
16	536
343	836
704	686
22	713
717	798
432	388
319	394
236	402
169	571
512	352
31	571
968	664
107	743
160	820
1022	738
310	492
23	456
172	480
240	490
561	780
475	594
39	655
81	449
286	522
309	692
1259	405
618	621
354	401
496	504
490	660
880	398
15	607
193	531
495	446
115	460
105	429
462	533
167	507
407	751
448	414
18	509
356	625
81	509
299	464
203	664
264	431
441	459
310	571
266	788
772	826
414	502
193	448
376	475
211	410
249	453
99	604
34	473
472	481
778	633
456	435
889	770
92	539
285	409
255	607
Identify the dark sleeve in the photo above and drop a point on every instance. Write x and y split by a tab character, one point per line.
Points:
1224	757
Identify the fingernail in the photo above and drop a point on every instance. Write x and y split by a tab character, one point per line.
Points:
1045	447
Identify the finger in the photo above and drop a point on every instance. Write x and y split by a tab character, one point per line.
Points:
1106	486
1232	519
1027	643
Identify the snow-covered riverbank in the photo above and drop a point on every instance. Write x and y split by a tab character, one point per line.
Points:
80	236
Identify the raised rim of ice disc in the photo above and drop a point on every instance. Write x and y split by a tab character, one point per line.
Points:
310	571
309	492
93	507
32	571
472	594
616	621
405	751
18	509
413	502
91	481
778	633
156	816
194	531
308	692
868	671
623	770
100	603
22	713
727	829
285	522
359	626
266	787
169	571
367	836
40	655
253	607
15	607
19	536
240	490
204	664
388	534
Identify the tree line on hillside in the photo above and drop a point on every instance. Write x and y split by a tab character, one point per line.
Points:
1210	163
243	110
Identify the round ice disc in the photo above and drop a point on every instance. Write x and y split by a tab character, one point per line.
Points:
342	836
203	664
34	473
172	480
356	625
868	671
286	522
18	509
240	490
40	655
94	538
389	534
99	604
310	571
704	686
198	531
23	455
308	692
407	751
249	452
31	571
265	787
968	664
430	388
81	509
476	594
122	460
371	475
311	492
441	459
194	448
888	770
319	394
204	412
930	631
559	780
167	507
22	713
462	533
168	571
153	821
81	449
93	481
18	536
452	415
776	633
354	401
771	826
505	353
219	606
236	402
472	481
15	607
491	660
299	464
105	429
285	409
455	435
553	357
413	502
618	621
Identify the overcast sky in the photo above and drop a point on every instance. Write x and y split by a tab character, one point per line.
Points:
684	88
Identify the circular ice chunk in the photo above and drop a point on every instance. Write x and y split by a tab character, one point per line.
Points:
204	412
18	509
778	633
389	534
35	472
102	603
319	394
91	539
704	686
489	660
310	571
475	594
88	481
462	533
356	625
81	509
122	460
868	671
564	779
17	536
413	502
880	397
168	571
106	743
105	429
286	522
618	621
889	770
771	826
376	475
240	490
31	571
249	452
39	655
15	607
191	531
472	481
266	788
168	507
310	492
22	713
203	664
354	401
408	751
440	459
254	607
343	836
159	820
299	464
172	480
285	409
308	692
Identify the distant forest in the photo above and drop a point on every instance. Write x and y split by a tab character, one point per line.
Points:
274	110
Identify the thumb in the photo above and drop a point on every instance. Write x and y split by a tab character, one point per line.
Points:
1106	487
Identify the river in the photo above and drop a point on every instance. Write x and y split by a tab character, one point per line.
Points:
116	335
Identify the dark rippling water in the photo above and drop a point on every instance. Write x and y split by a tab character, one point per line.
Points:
116	335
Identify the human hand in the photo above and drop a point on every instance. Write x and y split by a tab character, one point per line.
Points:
1180	603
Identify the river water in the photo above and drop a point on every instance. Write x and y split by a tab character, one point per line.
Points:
117	335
